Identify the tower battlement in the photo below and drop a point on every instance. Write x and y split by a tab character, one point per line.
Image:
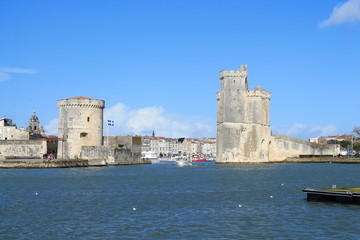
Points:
241	72
259	92
81	102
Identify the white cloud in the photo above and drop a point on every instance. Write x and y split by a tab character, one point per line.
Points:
323	131
52	127
144	120
4	76
343	13
5	72
299	130
293	131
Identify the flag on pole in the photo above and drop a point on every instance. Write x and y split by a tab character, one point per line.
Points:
110	123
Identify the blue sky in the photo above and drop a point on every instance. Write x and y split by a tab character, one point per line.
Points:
157	63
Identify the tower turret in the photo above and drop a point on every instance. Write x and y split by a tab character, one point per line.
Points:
234	87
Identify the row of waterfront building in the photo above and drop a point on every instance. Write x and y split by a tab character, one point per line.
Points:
169	147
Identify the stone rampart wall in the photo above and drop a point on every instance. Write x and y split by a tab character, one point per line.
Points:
126	157
128	142
32	163
98	153
110	155
22	149
283	147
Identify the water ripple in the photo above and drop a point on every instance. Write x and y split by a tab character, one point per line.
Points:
227	201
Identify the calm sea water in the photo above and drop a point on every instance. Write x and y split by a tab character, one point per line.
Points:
215	201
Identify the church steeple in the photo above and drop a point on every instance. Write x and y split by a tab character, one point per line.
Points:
34	125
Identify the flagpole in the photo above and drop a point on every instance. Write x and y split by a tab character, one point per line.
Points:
107	134
109	123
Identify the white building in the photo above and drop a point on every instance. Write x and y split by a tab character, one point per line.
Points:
9	131
208	147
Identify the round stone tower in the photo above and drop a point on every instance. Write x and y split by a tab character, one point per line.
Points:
80	124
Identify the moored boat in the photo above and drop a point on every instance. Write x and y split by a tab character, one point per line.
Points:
150	157
183	163
196	158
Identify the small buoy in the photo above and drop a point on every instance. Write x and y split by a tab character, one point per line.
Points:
271	196
282	184
240	205
36	193
134	209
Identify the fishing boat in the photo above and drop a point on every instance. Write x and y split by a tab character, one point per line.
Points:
196	158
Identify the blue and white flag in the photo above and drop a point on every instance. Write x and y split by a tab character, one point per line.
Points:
110	123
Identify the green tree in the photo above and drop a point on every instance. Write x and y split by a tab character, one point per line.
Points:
357	147
345	144
333	142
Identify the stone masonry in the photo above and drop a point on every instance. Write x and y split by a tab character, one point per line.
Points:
243	119
80	124
243	125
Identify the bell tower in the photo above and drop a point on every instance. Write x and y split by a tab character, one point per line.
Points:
34	125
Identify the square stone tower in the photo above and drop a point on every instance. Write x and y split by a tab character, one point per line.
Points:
243	124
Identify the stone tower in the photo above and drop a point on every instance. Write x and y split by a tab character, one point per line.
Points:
243	124
80	124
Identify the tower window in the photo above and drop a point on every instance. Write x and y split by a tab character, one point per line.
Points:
88	119
83	134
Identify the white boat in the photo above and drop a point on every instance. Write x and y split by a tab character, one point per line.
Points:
182	161
150	157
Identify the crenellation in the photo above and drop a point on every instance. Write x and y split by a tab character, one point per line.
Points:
241	72
77	105
259	93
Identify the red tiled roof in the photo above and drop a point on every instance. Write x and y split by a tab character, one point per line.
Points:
344	136
81	97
